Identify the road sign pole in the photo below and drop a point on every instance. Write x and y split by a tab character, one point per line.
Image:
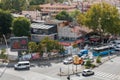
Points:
19	55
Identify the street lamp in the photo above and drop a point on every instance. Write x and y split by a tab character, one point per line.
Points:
7	55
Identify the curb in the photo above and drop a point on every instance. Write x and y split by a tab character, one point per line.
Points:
97	65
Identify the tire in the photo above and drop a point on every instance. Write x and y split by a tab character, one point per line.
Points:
83	75
15	68
28	68
93	73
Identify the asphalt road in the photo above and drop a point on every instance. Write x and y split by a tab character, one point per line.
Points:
49	71
108	71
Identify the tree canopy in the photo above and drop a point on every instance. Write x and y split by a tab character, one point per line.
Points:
74	14
14	5
63	15
32	46
47	45
21	26
101	17
19	5
5	22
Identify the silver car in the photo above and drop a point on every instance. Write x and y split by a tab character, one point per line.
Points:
87	72
68	60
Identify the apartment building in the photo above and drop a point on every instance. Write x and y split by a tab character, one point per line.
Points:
57	7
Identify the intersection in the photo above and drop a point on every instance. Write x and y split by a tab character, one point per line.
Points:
107	71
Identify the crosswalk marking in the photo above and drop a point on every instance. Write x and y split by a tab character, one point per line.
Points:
107	75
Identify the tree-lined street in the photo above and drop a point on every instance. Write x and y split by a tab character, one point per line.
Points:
60	33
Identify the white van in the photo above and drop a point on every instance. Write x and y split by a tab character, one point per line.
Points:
22	65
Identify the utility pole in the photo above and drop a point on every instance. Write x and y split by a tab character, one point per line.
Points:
7	55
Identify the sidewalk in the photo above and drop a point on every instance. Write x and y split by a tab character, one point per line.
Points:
80	69
75	70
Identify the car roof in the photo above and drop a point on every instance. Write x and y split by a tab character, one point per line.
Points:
69	57
23	62
87	70
117	41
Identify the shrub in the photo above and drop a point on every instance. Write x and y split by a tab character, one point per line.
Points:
87	67
93	65
88	63
98	60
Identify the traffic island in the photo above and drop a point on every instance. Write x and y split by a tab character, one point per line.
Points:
71	72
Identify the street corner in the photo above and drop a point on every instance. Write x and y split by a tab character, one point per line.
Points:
62	74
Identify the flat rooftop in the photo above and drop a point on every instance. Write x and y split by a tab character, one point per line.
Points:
41	26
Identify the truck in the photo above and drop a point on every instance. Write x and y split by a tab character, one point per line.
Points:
77	60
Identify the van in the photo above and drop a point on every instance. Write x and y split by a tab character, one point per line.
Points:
22	65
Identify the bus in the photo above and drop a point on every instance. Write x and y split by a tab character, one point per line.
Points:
103	50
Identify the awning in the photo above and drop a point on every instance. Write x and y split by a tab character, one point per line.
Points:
79	41
65	43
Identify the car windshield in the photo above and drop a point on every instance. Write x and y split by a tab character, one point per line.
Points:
69	58
84	71
88	71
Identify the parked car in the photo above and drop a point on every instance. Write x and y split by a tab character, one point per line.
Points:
87	72
22	65
116	44
117	47
68	60
85	56
83	52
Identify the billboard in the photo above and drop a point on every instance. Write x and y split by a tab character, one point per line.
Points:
19	43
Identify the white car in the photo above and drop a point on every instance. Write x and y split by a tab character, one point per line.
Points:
116	45
87	72
68	60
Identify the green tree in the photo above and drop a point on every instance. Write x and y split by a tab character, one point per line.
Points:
32	46
1	5
74	14
81	19
2	54
101	17
88	64
110	21
34	7
5	22
41	47
21	27
7	5
63	15
37	2
17	5
48	45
